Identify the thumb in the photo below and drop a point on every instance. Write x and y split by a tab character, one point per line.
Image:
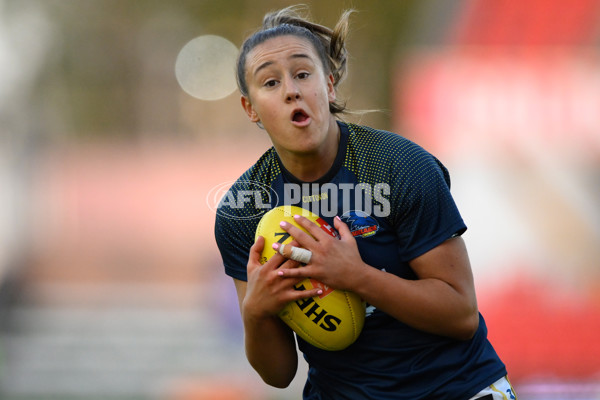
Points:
256	250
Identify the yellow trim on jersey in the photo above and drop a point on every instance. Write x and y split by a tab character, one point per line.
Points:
497	391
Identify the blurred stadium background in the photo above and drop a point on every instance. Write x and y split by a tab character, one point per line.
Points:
111	286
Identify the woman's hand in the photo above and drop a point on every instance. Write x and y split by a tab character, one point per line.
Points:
441	301
332	260
269	343
266	292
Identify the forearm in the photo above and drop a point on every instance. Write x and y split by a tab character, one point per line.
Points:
429	304
441	300
270	349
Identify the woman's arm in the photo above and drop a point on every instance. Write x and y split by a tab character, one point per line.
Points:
269	343
442	301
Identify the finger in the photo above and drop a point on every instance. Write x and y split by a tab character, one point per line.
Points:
276	261
280	261
314	229
303	238
342	228
305	294
276	246
280	247
294	253
290	264
296	273
255	257
256	250
290	283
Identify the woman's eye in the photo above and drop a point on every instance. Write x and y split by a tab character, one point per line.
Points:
303	75
270	83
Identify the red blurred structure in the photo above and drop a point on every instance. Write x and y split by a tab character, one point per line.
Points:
519	90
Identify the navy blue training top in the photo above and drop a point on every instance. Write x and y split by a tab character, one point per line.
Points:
395	198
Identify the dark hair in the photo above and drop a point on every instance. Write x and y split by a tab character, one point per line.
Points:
329	44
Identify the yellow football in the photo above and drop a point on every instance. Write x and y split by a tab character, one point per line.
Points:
330	321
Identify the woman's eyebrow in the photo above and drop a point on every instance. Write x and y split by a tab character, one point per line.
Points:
262	66
268	63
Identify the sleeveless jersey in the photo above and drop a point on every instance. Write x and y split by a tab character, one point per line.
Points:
395	198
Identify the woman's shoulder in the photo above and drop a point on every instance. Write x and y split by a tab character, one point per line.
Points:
376	155
370	146
367	139
244	198
264	168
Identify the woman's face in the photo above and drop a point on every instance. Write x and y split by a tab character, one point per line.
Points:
289	93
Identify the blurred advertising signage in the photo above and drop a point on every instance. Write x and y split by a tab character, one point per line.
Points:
462	100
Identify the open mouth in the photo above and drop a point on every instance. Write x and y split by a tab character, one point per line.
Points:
299	116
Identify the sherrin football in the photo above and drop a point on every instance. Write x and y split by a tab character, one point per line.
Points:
330	321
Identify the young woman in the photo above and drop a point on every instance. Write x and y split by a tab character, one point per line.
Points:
423	336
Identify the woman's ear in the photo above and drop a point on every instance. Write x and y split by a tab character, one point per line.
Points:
247	106
330	88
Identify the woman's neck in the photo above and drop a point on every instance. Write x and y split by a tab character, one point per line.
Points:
312	166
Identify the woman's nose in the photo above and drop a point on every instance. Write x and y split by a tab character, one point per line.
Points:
291	91
293	95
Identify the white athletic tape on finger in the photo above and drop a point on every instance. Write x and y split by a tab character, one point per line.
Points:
296	253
